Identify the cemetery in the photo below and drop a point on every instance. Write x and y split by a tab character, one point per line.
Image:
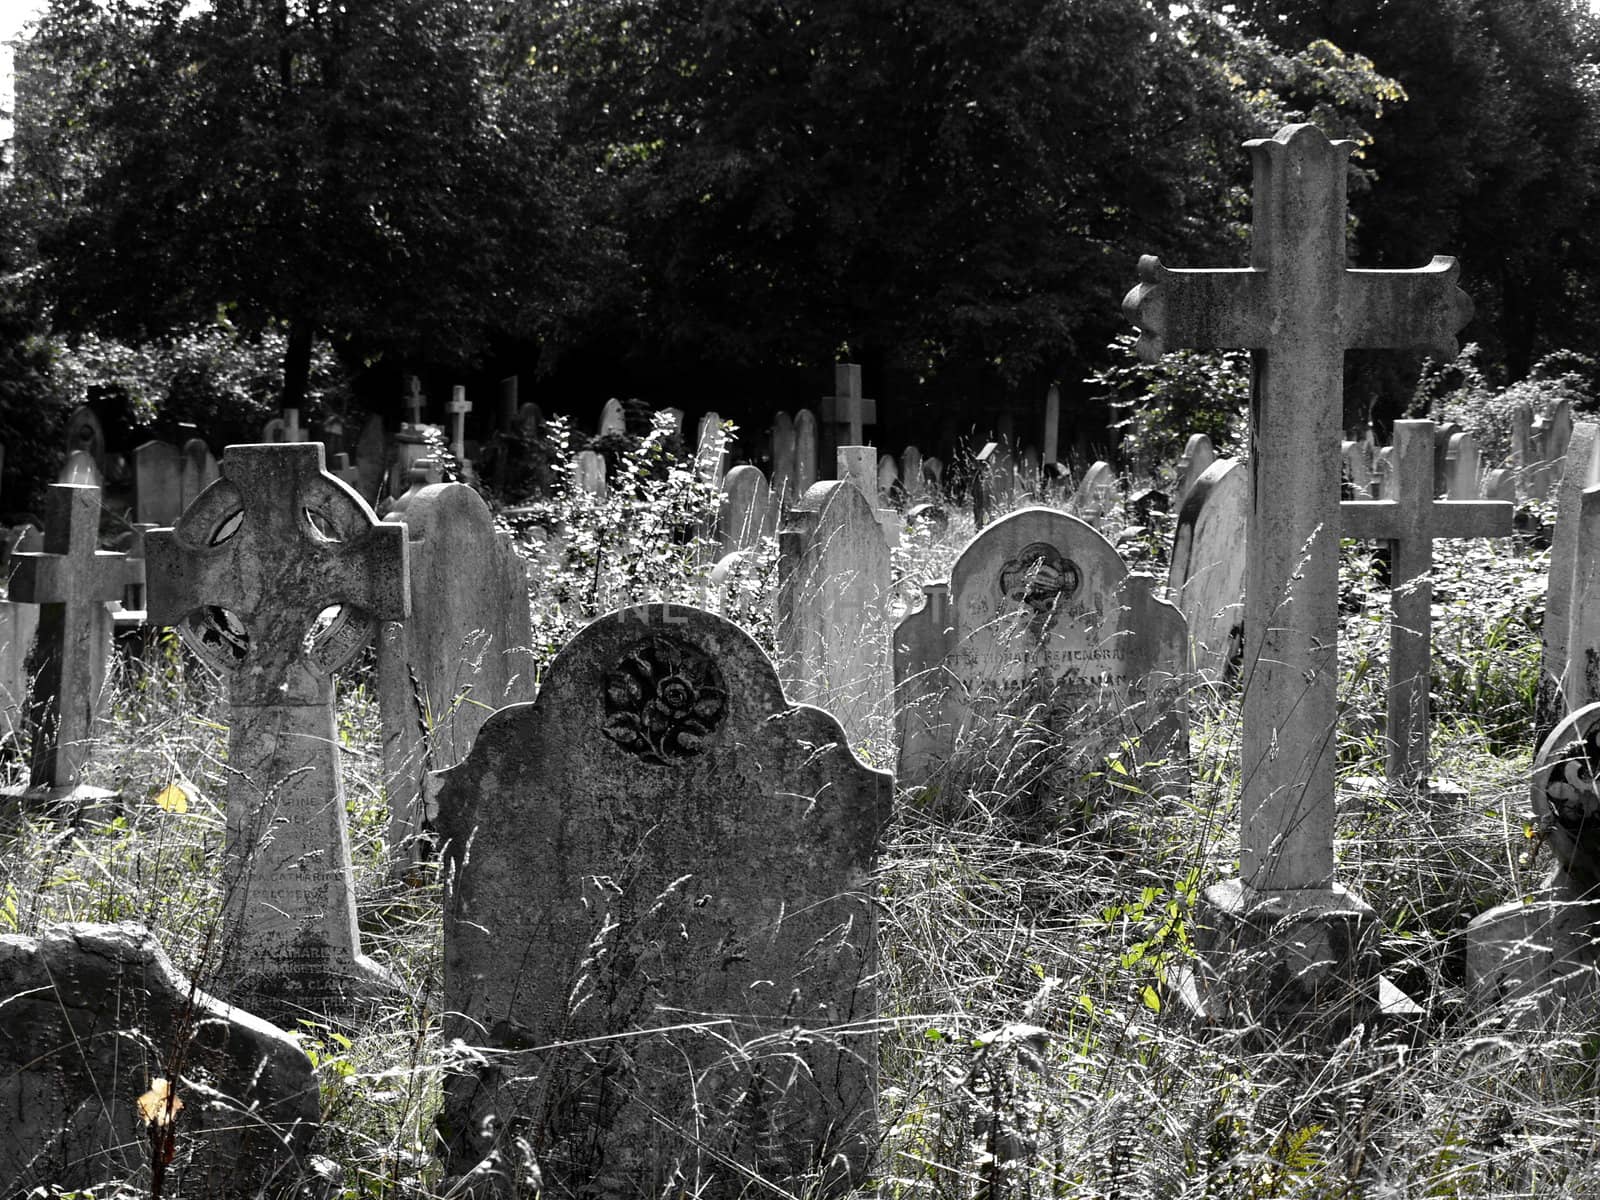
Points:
1170	770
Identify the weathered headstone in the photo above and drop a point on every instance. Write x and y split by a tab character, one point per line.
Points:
1442	433
711	450
659	928
1542	949
1051	451
1301	305
613	420
1039	610
1569	668
859	465
589	472
1357	469
983	506
1409	522
1558	433
86	434
888	477
1206	576
1463	465
1198	455
747	513
372	458
1383	484
1500	484
933	470
806	463
505	413
464	651
783	456
18	624
911	477
71	582
1523	456
1096	491
277	577
80	470
196	472
95	1015
831	612
158	483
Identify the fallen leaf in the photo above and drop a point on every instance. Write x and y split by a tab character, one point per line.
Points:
159	1106
173	798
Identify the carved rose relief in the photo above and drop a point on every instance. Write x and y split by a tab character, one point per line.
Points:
664	700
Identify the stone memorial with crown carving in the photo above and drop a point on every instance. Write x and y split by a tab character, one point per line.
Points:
660	930
276	577
1302	937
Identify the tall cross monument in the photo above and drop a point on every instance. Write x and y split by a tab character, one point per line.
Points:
1299	308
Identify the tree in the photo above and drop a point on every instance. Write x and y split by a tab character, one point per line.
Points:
374	170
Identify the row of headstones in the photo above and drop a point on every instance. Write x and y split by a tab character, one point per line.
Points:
646	713
743	819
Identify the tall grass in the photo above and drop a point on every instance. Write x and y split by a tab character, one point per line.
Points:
1034	907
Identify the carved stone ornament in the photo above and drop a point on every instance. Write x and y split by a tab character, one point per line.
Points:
1040	577
664	700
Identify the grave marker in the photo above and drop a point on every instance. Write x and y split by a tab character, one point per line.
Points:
1409	523
464	651
372	456
1567	663
506	411
71	582
158	483
589	472
276	577
1198	455
458	407
747	513
86	434
831	611
1302	307
805	451
1463	465
613	421
1206	576
413	404
711	451
94	1015
1050	454
1039	609
783	456
80	470
196	472
847	411
658	927
18	624
1096	491
911	477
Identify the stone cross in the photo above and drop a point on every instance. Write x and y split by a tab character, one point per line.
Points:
458	407
71	582
848	406
277	577
1300	308
413	403
291	426
1409	523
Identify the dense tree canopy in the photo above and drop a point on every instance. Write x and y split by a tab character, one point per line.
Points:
953	188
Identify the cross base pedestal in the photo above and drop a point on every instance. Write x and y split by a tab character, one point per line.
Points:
1302	960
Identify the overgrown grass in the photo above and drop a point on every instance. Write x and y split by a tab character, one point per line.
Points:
1033	911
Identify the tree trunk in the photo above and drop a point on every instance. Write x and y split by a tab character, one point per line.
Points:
297	365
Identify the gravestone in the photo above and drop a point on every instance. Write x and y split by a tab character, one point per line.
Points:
888	478
783	458
1050	453
372	458
1301	305
71	582
983	505
613	420
1558	433
659	928
747	513
158	483
858	465
1463	465
589	472
1096	491
711	451
464	651
412	402
1206	576
933	470
911	477
805	451
18	625
457	408
196	472
1358	470
1500	484
831	620
1569	665
1409	523
1523	455
1198	455
80	470
1539	951
1039	609
1442	433
276	577
94	1015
